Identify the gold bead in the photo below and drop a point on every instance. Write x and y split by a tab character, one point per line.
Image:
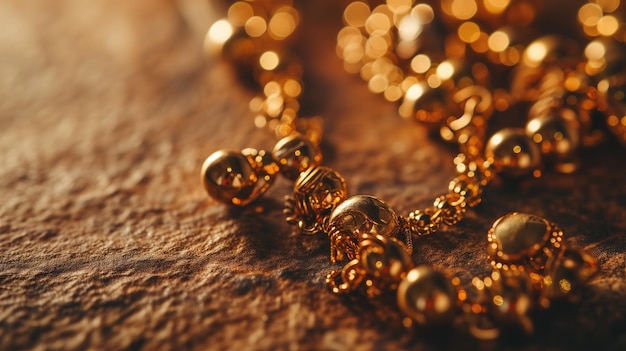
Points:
357	216
513	153
429	106
451	207
317	192
385	258
468	188
567	272
230	178
264	165
520	241
511	298
557	132
427	296
294	154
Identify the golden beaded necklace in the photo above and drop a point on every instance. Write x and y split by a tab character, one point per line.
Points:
438	61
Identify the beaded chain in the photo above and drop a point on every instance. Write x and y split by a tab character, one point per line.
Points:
443	63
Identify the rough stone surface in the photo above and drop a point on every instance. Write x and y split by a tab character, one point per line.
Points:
108	241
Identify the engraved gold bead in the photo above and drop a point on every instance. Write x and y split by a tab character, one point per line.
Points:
513	153
357	216
427	296
294	154
230	178
317	192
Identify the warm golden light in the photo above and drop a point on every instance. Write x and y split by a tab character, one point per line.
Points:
239	13
409	28
463	9
356	13
496	6
269	60
255	26
595	51
219	32
445	70
608	25
469	32
535	53
282	24
424	13
608	5
420	63
589	14
498	41
378	83
377	23
292	88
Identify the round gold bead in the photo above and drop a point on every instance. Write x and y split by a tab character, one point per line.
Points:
557	132
468	188
294	154
427	296
511	299
519	241
228	177
355	217
385	258
513	153
567	272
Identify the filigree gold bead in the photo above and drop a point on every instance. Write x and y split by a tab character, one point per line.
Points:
357	216
557	132
423	222
567	272
294	154
513	153
468	188
427	296
317	192
228	177
451	207
521	241
384	258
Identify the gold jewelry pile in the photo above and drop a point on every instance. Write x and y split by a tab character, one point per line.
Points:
456	66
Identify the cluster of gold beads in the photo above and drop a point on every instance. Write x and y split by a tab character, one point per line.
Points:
444	64
532	264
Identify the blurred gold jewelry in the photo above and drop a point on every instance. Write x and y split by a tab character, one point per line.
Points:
438	63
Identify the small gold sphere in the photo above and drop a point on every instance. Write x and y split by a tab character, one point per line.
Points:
513	153
427	296
228	177
385	258
567	272
317	192
355	217
557	132
294	154
467	187
511	299
515	237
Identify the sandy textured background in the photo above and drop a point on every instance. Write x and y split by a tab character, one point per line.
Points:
107	240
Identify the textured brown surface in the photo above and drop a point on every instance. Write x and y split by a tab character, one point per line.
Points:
107	240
